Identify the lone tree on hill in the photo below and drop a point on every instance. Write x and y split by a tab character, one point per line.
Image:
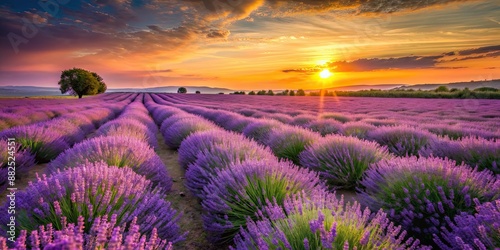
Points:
80	82
182	90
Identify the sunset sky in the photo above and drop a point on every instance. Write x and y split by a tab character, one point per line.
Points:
250	44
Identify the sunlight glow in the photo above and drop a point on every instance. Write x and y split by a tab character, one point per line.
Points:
325	74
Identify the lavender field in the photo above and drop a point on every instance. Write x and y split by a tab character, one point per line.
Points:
172	171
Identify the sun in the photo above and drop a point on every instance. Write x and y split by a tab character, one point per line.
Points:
325	74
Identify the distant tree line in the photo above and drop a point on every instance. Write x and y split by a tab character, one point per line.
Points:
440	92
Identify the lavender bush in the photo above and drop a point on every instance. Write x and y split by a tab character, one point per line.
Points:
321	222
260	129
92	191
128	127
358	129
104	234
479	231
44	143
420	193
326	127
23	161
475	152
341	161
288	142
336	116
238	192
403	140
180	130
116	151
220	156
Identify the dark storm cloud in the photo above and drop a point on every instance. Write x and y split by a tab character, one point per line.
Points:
408	62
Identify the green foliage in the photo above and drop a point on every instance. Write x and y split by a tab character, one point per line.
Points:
80	82
182	90
301	92
442	89
251	93
261	92
292	93
239	93
398	93
270	92
198	92
487	89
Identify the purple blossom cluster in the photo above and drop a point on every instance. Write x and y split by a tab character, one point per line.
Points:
92	191
403	140
419	193
23	161
181	129
341	161
288	142
240	190
120	151
478	231
320	221
475	152
104	233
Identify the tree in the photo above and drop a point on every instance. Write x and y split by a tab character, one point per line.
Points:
198	92
442	89
270	92
251	93
261	92
292	93
182	90
80	82
300	92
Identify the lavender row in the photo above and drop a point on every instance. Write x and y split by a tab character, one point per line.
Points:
77	202
422	213
400	140
123	142
25	114
241	183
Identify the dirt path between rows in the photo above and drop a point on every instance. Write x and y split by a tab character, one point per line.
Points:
23	181
183	201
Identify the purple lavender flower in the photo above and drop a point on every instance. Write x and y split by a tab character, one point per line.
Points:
341	161
92	191
303	120
402	140
335	116
358	129
260	129
288	142
180	130
42	142
420	193
198	141
320	221
104	234
237	192
326	127
116	151
220	156
23	161
130	128
478	231
475	152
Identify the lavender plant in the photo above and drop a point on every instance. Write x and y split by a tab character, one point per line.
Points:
321	222
22	159
479	231
341	161
358	129
221	156
326	127
420	193
260	129
44	143
475	152
180	130
238	192
116	151
288	142
104	234
92	191
403	140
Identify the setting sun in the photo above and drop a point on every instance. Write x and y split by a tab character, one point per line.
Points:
325	74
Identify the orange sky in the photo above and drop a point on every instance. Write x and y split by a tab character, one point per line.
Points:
255	44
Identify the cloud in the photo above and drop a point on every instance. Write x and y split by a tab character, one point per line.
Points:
218	33
407	62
